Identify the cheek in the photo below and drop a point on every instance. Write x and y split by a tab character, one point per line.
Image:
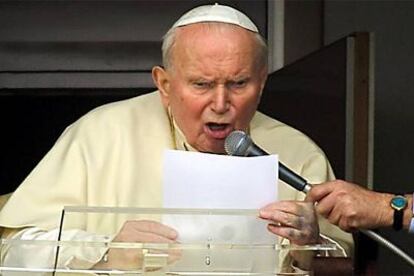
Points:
188	106
187	112
247	107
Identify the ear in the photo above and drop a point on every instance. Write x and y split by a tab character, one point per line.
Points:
161	80
263	77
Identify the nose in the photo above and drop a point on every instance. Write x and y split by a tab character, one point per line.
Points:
221	100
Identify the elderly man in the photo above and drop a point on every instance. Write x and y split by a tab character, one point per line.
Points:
215	67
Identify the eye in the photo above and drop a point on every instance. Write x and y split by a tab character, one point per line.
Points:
201	84
239	83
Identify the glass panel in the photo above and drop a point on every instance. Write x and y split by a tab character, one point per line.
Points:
210	242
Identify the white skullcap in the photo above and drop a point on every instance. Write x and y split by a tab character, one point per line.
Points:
216	13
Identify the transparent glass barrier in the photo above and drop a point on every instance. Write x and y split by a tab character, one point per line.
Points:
124	241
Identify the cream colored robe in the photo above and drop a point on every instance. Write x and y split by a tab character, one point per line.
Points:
112	156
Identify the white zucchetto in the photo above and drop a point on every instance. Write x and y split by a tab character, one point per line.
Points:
216	13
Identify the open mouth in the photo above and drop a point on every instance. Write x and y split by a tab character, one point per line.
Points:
218	131
216	127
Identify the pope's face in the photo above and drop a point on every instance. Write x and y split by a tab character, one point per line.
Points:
213	85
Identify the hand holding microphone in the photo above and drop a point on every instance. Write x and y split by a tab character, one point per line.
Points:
344	204
239	143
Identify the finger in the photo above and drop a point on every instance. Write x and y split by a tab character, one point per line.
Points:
174	255
319	191
297	208
155	228
148	237
347	224
344	225
286	206
286	219
342	217
325	206
334	216
286	232
294	235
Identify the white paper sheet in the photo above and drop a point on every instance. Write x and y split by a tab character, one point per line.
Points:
199	180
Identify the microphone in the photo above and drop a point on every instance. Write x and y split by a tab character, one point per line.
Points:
238	143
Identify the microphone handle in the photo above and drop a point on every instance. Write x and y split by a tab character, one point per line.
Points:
293	179
285	174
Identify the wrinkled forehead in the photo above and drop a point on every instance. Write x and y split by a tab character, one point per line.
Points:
212	35
208	45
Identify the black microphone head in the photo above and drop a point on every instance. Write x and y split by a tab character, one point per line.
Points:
237	143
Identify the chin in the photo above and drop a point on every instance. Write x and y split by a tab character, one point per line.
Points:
211	146
217	149
221	152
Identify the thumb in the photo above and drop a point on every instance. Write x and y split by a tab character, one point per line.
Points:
310	197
